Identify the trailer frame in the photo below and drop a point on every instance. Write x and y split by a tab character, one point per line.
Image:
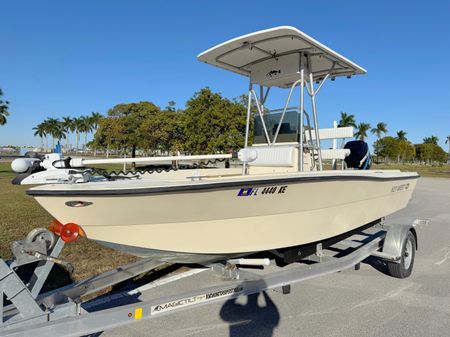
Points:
65	312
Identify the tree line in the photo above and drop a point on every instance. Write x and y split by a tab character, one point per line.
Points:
60	129
209	123
397	148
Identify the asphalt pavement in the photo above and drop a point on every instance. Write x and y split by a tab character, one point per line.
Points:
350	303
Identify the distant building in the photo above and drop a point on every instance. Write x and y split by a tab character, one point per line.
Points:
9	150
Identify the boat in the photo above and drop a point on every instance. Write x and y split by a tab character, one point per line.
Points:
278	197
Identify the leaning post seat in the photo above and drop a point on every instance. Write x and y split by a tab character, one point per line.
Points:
283	157
275	158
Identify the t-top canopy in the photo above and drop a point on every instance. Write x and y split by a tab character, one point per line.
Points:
267	54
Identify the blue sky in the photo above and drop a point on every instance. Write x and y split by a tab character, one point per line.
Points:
60	58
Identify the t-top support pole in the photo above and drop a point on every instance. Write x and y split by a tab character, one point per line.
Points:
247	126
261	115
261	96
314	110
286	105
302	107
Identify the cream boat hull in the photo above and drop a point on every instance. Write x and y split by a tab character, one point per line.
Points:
228	216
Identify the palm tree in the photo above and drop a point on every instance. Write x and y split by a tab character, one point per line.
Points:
89	128
3	109
447	141
54	129
40	131
95	119
347	120
3	116
86	126
361	134
401	135
47	131
431	140
67	126
379	129
60	132
78	126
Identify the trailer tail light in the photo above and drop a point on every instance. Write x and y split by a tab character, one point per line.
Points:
68	232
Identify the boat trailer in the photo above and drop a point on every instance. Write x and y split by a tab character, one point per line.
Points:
70	311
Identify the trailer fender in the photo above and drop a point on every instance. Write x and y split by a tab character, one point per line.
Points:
393	242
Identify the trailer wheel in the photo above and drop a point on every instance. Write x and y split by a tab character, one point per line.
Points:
404	268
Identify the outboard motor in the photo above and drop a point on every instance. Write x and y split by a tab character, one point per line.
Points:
359	157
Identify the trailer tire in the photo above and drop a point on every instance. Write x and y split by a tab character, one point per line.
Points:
404	268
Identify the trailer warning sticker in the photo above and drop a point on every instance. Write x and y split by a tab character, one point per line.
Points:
268	190
184	302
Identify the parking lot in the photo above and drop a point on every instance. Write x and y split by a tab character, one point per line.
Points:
350	303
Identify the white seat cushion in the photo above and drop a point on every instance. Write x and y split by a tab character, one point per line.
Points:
274	156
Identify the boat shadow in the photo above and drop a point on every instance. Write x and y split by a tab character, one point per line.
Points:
258	317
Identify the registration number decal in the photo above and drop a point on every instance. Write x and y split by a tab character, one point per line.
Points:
255	191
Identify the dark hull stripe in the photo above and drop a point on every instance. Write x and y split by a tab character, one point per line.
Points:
211	186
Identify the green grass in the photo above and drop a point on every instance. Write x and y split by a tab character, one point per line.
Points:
20	213
442	171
